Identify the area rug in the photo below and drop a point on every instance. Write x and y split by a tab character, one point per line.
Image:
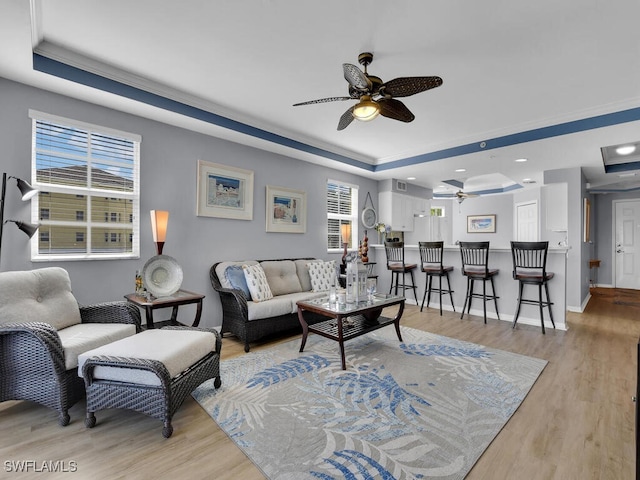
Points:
426	407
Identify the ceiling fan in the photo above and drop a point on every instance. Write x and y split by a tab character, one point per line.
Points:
375	96
461	196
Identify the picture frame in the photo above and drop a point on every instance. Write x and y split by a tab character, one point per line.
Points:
286	210
586	234
481	223
224	191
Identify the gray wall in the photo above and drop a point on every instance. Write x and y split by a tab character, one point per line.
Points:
500	205
579	252
169	158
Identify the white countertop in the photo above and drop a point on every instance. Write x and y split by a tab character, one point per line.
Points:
499	248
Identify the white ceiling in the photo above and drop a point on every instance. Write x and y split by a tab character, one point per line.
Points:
508	67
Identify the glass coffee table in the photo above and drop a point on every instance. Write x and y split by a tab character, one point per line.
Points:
349	320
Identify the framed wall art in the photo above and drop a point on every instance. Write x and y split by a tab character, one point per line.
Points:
481	224
286	210
224	192
586	222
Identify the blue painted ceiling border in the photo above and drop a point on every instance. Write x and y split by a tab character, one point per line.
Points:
77	75
575	126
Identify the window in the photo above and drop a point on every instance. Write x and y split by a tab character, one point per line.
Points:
342	209
88	179
437	211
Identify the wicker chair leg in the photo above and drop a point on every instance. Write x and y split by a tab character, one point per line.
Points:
167	429
217	382
90	420
64	418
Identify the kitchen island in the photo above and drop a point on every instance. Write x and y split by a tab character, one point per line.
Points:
506	286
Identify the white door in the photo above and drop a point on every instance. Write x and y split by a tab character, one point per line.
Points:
527	222
627	244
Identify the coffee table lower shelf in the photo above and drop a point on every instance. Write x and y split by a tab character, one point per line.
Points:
342	325
352	327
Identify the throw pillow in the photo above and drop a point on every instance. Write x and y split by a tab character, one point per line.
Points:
235	276
322	275
257	282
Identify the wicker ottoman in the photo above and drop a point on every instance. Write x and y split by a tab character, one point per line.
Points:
151	372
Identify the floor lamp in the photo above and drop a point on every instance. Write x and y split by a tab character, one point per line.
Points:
27	192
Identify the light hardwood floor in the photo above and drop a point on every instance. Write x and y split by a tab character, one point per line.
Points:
576	423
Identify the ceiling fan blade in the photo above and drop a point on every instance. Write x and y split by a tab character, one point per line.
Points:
395	109
323	100
346	119
461	194
406	86
356	77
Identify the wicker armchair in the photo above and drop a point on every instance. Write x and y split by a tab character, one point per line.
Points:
35	363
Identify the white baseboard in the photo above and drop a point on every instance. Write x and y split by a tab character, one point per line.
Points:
504	317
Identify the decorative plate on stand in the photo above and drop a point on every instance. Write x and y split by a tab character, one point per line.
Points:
162	276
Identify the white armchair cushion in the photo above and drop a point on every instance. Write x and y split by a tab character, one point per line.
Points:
80	338
41	295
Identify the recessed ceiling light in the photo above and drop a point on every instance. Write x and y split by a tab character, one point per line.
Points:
411	178
625	150
461	170
520	160
526	180
624	175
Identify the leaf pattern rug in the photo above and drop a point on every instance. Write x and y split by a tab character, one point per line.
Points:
423	408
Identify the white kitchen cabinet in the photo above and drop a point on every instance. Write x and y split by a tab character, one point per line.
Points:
397	210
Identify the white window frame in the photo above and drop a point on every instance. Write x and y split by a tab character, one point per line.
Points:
133	196
353	218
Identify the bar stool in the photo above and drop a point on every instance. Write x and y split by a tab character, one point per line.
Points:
530	268
431	263
397	266
370	270
475	266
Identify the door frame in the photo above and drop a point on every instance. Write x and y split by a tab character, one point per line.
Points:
614	263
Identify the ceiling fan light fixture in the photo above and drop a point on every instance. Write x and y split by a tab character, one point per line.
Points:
366	109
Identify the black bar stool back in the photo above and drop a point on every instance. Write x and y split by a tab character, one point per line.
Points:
475	266
530	268
397	266
431	254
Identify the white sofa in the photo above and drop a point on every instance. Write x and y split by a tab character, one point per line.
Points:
289	281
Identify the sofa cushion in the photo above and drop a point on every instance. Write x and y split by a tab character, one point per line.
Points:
80	338
177	350
322	275
280	305
282	276
257	283
41	295
222	266
296	297
275	307
235	276
303	273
